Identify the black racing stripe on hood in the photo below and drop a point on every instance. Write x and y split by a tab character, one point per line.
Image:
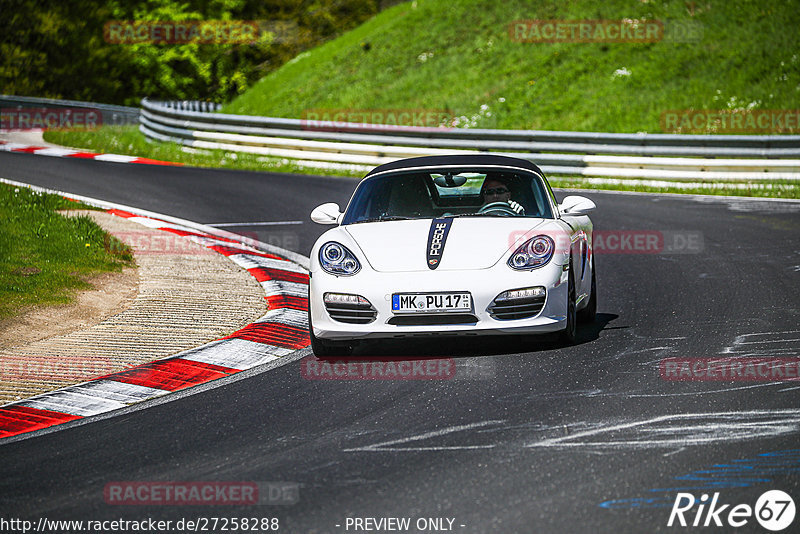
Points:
437	237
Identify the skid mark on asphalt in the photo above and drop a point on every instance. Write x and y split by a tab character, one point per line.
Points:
770	344
694	393
746	205
386	446
674	431
779	344
646	355
761	344
682	430
554	395
475	369
657	347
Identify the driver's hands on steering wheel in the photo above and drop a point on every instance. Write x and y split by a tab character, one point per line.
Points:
507	208
517	207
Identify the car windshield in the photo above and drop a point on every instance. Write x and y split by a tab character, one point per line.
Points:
456	193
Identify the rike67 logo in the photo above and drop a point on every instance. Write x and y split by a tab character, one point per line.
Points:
774	510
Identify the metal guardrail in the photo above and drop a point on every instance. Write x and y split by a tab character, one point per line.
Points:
193	105
111	115
319	143
714	157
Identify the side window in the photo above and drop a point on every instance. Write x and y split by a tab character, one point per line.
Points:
553	198
539	199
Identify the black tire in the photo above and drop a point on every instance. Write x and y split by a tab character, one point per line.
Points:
588	314
325	349
570	334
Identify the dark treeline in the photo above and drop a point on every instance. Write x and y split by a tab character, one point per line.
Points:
57	48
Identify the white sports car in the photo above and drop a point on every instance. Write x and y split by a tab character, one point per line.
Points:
459	245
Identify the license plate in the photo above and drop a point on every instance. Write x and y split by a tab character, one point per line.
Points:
431	302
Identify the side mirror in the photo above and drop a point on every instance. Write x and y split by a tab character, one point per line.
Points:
575	205
326	213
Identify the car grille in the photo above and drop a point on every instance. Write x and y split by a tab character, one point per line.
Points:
508	309
428	320
352	313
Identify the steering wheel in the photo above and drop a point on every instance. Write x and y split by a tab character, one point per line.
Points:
501	209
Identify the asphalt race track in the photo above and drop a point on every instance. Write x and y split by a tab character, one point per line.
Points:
527	437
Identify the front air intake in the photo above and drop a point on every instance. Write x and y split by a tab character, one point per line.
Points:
351	309
506	308
433	320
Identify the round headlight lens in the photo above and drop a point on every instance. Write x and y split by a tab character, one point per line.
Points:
519	259
541	246
534	253
333	252
336	259
350	265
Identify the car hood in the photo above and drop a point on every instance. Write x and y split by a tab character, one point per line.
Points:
471	243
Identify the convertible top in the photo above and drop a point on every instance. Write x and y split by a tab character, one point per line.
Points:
472	160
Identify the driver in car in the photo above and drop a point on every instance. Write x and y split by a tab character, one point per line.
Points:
494	190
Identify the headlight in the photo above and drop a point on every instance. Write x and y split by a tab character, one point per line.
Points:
337	259
532	254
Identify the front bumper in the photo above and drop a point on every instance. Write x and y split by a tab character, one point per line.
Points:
484	285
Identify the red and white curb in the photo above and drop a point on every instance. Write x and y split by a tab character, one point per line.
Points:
281	331
6	146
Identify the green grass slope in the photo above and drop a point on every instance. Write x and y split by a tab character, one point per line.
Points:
45	256
458	56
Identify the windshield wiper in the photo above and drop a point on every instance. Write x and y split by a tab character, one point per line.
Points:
379	219
473	215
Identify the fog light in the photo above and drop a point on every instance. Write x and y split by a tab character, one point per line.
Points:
344	298
524	293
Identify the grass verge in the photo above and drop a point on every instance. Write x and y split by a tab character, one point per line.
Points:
44	256
129	141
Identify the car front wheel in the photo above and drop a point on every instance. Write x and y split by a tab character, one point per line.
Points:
588	314
323	348
570	333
